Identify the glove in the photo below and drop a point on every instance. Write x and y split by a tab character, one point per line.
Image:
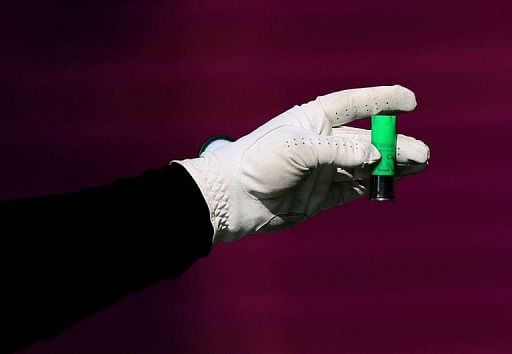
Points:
300	162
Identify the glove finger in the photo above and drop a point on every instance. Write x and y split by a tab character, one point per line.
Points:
410	169
317	186
408	149
320	150
358	174
345	106
345	189
343	192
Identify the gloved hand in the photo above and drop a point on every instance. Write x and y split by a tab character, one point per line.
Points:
300	162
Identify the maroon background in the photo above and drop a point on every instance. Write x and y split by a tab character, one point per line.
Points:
93	91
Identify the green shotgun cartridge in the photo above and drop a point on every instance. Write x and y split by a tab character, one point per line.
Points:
382	182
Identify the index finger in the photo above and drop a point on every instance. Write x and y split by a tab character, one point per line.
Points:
345	106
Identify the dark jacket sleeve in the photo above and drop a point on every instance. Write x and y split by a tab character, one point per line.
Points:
65	257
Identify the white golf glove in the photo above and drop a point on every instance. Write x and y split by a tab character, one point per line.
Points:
299	163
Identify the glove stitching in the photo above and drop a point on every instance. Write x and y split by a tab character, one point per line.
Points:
238	170
217	193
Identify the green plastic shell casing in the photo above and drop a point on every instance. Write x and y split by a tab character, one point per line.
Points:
384	139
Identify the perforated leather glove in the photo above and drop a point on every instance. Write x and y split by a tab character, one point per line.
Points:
299	163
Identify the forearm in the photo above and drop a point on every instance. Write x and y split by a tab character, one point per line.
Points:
65	257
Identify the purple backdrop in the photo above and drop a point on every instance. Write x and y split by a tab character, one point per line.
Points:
93	91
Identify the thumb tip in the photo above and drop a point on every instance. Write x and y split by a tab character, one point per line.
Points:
373	155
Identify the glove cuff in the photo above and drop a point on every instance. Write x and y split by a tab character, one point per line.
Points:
213	189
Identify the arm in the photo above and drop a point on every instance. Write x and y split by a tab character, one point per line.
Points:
65	257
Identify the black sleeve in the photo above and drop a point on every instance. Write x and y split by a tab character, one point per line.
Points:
65	257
